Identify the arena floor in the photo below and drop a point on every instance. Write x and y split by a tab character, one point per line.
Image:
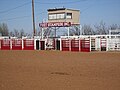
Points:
56	70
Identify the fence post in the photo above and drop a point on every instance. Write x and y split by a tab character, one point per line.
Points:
10	44
90	43
0	44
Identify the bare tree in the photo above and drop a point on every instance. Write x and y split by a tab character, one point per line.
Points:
101	28
4	29
114	27
75	30
11	34
88	30
16	33
21	33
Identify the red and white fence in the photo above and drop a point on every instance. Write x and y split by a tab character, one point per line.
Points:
71	43
16	44
77	45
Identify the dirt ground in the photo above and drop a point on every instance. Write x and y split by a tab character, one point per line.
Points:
56	70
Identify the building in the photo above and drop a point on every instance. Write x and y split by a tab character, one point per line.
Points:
64	15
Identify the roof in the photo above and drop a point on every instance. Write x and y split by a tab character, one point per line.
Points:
57	9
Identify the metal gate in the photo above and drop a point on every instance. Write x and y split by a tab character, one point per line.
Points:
17	44
65	45
85	45
28	44
5	44
74	45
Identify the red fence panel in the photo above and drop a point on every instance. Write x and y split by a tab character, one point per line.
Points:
0	44
65	45
28	44
85	45
74	45
5	44
17	44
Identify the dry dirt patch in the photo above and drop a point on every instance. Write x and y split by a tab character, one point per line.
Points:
55	70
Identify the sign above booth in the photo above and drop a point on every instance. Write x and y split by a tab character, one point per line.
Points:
55	24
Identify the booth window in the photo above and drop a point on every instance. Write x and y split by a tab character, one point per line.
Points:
69	16
52	16
56	16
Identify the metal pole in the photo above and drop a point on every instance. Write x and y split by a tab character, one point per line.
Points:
81	30
55	32
33	18
42	32
68	32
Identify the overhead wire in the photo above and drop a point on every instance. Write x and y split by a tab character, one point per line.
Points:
14	18
11	9
86	8
61	2
5	11
21	17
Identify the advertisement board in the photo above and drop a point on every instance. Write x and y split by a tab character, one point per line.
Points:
55	24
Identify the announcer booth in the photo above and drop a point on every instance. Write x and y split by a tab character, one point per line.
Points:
57	18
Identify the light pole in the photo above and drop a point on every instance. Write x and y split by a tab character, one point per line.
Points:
33	18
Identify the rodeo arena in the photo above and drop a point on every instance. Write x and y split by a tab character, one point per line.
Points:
67	19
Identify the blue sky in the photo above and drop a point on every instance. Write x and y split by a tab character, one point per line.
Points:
17	13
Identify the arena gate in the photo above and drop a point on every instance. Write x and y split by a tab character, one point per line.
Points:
75	45
65	44
82	45
16	44
28	44
5	44
85	45
47	44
